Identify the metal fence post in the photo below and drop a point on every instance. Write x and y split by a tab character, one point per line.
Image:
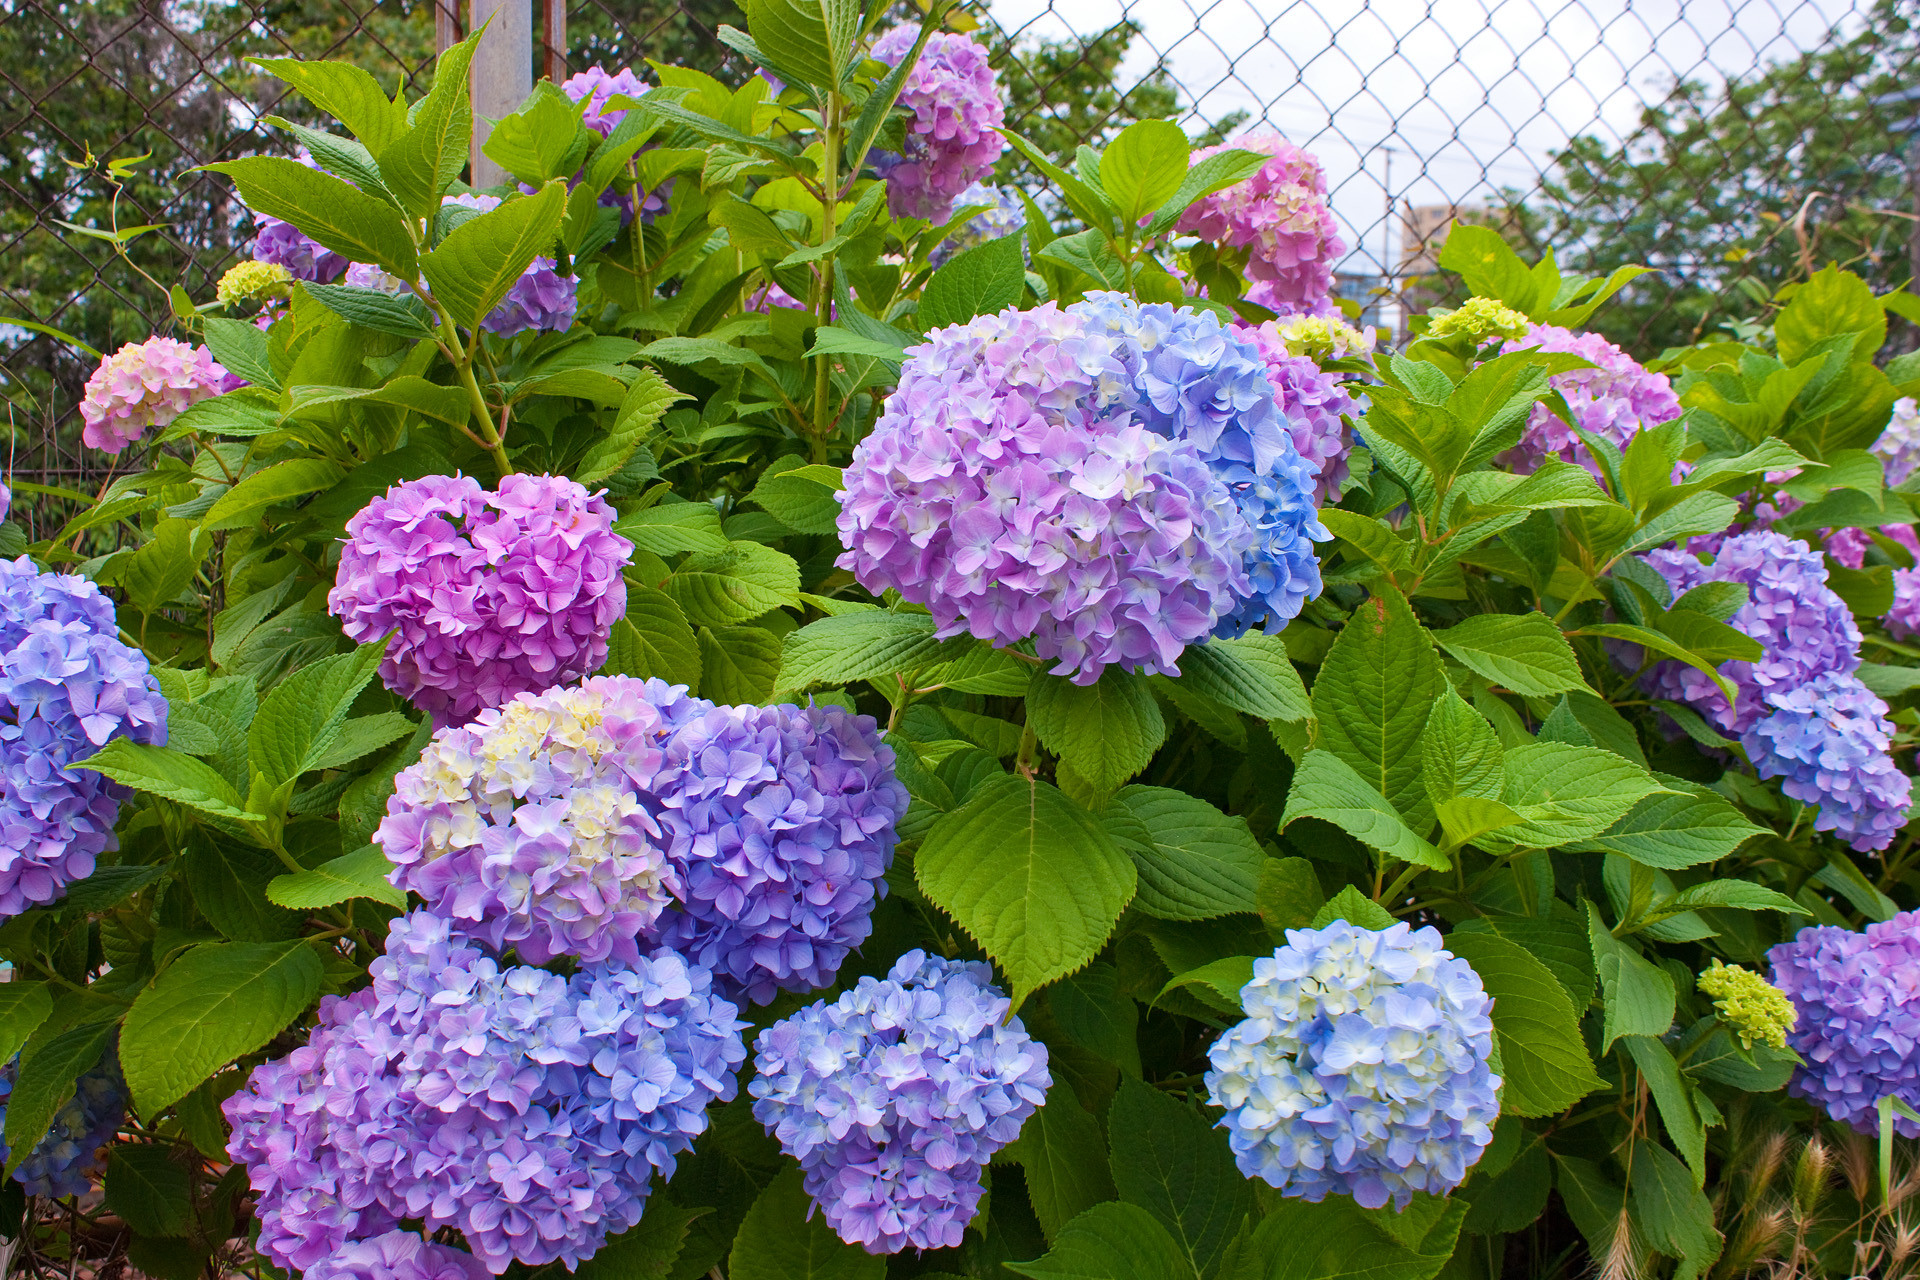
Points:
502	74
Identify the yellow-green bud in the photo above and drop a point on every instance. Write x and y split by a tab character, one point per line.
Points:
1479	318
253	282
1323	338
1751	1007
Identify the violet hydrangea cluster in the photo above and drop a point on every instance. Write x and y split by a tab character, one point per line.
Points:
1830	743
1857	997
594	86
73	1154
1361	1067
526	1110
1002	217
147	384
952	100
490	593
399	1255
1280	216
1614	400
540	300
596	821
285	245
68	685
895	1096
1315	405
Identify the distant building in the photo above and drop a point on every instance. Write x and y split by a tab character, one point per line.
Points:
1423	230
1368	292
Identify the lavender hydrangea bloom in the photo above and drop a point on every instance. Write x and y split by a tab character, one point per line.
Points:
1615	401
1311	403
493	594
147	384
541	299
399	1255
73	1154
894	1097
285	245
1005	489
1829	739
953	135
1003	216
594	86
526	1110
1804	629
1899	445
1858	1030
1361	1067
1280	215
780	823
68	685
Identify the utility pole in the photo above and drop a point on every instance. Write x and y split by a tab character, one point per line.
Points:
502	74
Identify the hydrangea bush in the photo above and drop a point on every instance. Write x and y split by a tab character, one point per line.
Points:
1166	775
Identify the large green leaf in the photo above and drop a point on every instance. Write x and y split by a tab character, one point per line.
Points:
1674	831
646	402
1459	753
45	1083
1543	1057
1525	653
1336	1239
282	482
648	1250
810	39
1062	1153
1109	1242
738	665
1106	731
23	1007
1197	862
1376	687
1030	875
299	721
424	161
148	1190
800	495
1142	168
345	220
1566	793
1639	996
976	282
856	646
229	883
472	269
1252	674
360	874
348	93
1171	1160
172	774
1326	787
735	585
784	1237
653	640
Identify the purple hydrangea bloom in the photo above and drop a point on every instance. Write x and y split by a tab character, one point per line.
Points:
1007	489
1280	216
542	299
1804	629
73	1153
894	1097
1615	401
1829	739
363	275
68	685
399	1255
305	258
1311	403
953	136
780	827
594	86
528	1111
1361	1067
1003	216
1858	1032
1899	445
493	594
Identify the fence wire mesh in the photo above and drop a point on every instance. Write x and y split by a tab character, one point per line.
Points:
1721	141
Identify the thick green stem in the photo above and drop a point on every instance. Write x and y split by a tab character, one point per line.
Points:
823	282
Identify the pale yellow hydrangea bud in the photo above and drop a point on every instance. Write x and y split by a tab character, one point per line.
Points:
1479	318
1750	1006
253	282
1323	338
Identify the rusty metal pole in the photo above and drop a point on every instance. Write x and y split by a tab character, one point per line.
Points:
502	74
446	25
553	39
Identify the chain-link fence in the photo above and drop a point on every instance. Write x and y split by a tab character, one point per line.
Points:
1719	140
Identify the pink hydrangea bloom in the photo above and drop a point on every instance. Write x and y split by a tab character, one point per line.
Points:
492	594
1311	403
147	384
1280	214
954	135
1614	401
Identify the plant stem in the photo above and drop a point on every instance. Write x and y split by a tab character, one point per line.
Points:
823	280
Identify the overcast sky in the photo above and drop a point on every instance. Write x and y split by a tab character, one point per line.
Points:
1459	97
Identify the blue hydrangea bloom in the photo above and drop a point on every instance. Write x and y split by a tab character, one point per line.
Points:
1187	376
1003	216
894	1097
1829	740
1361	1067
1858	1030
399	1255
526	1110
68	685
73	1154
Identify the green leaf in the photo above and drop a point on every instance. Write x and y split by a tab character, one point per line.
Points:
975	282
735	585
671	528
1557	941
1169	1159
1252	674
1338	1240
23	1007
646	402
212	1005
1106	732
1673	1096
647	1250
811	38
1660	644
783	1237
1543	1057
156	573
653	640
1096	1014
1376	686
243	505
856	646
148	1190
738	665
1216	172
1062	1153
1639	997
1676	1214
241	348
1490	267
298	722
1831	304
332	212
483	257
1566	793
1696	514
1106	1242
1356	908
1220	982
1030	875
1326	787
1525	653
170	774
229	883
1459	753
1200	863
402	315
1143	167
1674	831
1088	253
348	93
362	736
424	161
360	874
544	139
799	495
48	1072
1738	895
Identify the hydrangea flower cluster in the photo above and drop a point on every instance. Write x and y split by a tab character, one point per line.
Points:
526	1110
591	821
953	136
1361	1067
894	1097
253	281
1311	402
399	1255
364	275
493	594
1003	216
1829	740
1750	1006
68	685
541	299
1613	401
1857	997
285	245
1026	481
1280	216
1320	337
72	1155
147	384
594	86
1899	445
1479	318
